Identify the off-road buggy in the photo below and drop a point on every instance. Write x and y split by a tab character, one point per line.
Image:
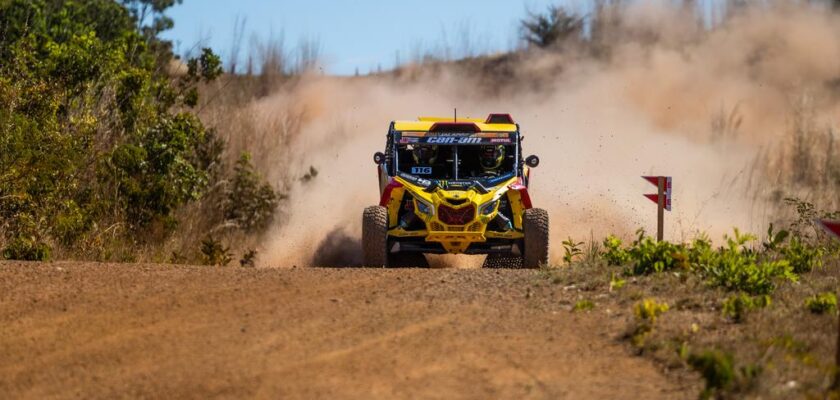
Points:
457	186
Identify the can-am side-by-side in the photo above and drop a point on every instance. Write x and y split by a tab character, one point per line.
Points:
458	187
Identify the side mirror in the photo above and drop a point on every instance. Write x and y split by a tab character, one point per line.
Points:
379	158
532	161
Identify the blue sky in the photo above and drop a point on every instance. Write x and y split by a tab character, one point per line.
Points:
363	34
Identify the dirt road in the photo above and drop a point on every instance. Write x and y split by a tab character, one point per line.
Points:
101	331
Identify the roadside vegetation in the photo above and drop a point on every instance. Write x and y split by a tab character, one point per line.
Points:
101	146
753	317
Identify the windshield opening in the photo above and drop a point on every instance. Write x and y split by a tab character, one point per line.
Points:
452	162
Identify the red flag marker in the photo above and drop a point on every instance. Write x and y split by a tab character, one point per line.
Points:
832	227
662	199
667	190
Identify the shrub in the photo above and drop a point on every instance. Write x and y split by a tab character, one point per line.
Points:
26	249
802	256
248	259
717	370
96	134
250	202
613	253
213	252
646	312
737	306
736	267
822	303
650	256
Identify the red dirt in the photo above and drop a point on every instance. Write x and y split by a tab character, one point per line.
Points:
87	330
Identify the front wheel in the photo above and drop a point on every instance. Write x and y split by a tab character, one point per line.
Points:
535	227
375	236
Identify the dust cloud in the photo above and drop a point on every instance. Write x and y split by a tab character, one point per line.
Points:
669	98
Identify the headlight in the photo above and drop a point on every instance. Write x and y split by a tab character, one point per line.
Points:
423	207
489	207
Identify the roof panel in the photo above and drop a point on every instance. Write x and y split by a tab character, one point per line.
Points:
425	123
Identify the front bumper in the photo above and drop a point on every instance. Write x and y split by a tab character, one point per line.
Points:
492	246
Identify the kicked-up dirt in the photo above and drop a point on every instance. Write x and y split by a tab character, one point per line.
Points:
85	330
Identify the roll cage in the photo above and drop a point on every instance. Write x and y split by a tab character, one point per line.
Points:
396	138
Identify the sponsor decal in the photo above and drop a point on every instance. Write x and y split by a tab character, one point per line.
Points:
450	134
421	170
499	140
409	140
453	140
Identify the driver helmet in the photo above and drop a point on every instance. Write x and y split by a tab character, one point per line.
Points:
492	157
424	154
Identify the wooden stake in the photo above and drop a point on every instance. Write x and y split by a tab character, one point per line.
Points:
660	209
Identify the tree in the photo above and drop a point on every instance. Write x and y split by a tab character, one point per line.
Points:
93	133
549	29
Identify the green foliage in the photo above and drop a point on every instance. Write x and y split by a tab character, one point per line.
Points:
738	306
646	255
650	256
213	252
737	267
646	312
802	256
614	254
775	239
720	373
89	136
717	370
822	303
26	248
616	283
572	250
250	202
583	305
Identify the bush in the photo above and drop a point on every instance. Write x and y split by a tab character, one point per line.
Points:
646	255
214	252
717	370
94	132
822	303
250	202
736	267
613	253
802	256
646	312
248	259
27	249
737	306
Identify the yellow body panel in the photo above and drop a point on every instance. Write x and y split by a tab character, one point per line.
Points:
456	238
424	124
